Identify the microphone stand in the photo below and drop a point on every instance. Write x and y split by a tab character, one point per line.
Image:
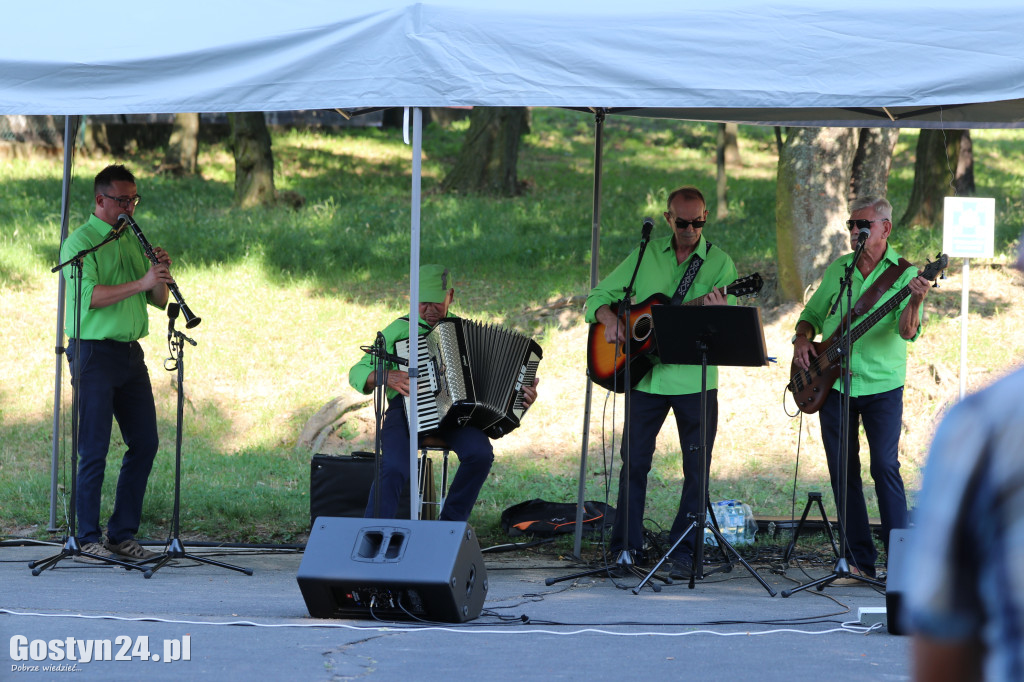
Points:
379	351
379	396
175	549
842	566
624	561
71	546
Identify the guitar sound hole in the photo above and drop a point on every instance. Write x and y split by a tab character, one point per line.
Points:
642	328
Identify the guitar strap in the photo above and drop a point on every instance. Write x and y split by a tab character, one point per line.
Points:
870	297
689	276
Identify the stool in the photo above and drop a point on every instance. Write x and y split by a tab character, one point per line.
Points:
435	444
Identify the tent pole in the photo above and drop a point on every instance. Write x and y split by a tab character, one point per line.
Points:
595	238
414	309
70	133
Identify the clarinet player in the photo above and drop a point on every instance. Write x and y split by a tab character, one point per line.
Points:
118	283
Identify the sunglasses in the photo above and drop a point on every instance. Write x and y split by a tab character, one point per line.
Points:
863	224
683	224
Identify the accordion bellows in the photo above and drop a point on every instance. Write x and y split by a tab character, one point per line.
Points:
472	374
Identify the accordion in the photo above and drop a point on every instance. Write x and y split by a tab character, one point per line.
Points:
471	374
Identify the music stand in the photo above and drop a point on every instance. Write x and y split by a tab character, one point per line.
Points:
719	335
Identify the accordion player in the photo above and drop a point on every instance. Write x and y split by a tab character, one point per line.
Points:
472	374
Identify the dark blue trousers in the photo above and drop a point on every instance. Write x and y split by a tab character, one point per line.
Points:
648	412
882	417
470	445
114	384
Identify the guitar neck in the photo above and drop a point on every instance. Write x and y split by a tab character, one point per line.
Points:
834	349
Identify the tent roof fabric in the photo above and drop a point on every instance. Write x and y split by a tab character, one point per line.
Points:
735	60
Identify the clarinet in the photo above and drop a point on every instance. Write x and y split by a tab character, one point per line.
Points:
191	320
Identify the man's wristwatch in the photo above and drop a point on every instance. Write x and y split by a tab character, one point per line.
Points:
795	337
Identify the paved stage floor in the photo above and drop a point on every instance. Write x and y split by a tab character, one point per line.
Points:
232	626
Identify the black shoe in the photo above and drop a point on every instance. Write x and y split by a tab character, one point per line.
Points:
680	569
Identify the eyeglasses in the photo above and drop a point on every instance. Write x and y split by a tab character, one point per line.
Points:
683	224
863	224
124	202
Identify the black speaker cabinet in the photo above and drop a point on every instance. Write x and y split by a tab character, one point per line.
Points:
393	569
895	581
340	486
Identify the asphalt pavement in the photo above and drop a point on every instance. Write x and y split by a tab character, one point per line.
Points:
195	620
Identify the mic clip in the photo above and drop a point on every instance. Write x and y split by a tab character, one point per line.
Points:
379	353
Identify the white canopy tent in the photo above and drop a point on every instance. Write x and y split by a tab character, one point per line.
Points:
878	63
940	62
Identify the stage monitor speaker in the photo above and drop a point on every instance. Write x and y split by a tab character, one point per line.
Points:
393	569
895	580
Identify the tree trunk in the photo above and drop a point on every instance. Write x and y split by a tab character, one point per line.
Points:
182	155
964	182
254	161
732	144
722	178
813	179
871	164
487	161
933	176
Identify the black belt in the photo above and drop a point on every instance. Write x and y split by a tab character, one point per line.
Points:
107	342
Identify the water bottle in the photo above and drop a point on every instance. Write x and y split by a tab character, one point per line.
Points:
727	520
739	524
750	529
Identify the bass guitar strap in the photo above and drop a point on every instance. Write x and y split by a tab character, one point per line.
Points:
689	276
870	297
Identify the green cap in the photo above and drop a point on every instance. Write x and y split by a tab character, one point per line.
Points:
435	281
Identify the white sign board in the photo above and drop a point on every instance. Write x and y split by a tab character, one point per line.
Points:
969	227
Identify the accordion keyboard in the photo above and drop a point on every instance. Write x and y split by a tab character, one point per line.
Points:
429	417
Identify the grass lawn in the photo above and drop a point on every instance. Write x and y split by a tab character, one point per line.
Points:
288	296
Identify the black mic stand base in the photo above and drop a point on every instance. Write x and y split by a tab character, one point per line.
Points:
841	570
696	569
624	565
175	550
72	549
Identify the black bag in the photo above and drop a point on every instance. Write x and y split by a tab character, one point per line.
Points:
546	519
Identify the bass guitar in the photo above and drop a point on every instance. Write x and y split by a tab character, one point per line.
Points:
606	362
810	386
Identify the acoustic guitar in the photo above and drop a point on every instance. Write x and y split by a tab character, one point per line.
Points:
606	362
810	386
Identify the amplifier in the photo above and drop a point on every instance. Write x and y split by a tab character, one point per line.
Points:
340	486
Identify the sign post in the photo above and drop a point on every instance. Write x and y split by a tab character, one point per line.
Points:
968	231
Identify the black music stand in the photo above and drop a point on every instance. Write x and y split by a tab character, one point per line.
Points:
720	335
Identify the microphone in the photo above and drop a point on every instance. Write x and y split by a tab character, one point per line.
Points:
645	233
121	225
863	235
172	313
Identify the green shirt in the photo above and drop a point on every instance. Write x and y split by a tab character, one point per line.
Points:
396	331
879	357
117	262
659	273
